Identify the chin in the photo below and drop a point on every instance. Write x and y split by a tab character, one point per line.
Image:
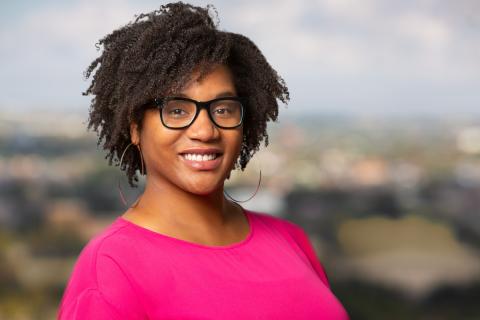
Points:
203	190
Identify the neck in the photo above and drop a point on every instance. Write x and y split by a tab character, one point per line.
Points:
175	206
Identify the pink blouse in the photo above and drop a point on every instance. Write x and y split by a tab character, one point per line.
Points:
130	272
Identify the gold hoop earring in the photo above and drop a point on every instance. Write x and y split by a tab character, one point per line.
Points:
122	196
251	197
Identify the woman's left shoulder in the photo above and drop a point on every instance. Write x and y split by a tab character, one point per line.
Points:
274	220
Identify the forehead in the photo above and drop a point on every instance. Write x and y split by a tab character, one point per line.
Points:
218	78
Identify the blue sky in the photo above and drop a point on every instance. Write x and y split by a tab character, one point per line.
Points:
348	56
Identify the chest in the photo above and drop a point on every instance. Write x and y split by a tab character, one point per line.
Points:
273	282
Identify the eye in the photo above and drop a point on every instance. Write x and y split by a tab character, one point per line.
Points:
223	110
177	112
226	108
178	109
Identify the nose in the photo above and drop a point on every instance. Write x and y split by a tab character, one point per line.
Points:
203	128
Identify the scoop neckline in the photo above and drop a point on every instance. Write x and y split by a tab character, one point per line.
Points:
194	244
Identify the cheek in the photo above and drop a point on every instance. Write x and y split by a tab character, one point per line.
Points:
160	143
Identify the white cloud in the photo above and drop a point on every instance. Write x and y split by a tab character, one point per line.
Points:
349	9
432	33
79	25
48	50
374	51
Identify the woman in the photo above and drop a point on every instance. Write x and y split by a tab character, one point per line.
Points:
184	104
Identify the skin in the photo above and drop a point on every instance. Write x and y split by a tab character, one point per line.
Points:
180	201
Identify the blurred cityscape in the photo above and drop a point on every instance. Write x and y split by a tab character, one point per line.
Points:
390	203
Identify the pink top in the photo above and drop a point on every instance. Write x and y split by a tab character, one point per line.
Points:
130	272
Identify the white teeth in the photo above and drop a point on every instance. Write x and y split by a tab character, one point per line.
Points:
199	157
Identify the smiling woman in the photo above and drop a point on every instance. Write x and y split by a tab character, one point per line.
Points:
186	151
195	102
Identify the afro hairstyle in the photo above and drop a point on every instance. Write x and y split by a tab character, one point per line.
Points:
155	55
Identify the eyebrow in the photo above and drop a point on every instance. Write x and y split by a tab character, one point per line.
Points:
220	95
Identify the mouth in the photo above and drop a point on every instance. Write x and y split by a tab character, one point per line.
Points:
202	161
200	157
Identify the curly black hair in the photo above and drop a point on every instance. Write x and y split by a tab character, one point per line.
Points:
154	55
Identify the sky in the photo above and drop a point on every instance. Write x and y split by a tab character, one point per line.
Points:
336	56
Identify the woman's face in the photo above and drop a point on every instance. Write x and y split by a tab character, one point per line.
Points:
164	150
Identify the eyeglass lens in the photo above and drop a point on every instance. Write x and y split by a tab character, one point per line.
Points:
180	113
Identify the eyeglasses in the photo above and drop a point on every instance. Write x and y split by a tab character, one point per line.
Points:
179	112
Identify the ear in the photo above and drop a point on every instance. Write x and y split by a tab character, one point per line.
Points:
134	133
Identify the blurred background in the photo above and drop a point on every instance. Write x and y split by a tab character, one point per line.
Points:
377	156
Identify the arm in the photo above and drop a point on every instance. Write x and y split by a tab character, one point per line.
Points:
89	304
110	296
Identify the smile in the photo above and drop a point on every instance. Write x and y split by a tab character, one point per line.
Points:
200	157
209	161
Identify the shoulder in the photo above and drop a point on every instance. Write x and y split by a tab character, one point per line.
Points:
107	241
97	273
84	272
297	236
276	222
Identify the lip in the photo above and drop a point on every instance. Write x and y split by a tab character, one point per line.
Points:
202	165
202	150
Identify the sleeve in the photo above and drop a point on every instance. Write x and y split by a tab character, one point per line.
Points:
118	289
110	296
305	244
90	304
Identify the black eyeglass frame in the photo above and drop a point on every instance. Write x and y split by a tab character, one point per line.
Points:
160	102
